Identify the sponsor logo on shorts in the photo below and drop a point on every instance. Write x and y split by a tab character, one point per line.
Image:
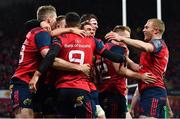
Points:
79	101
27	101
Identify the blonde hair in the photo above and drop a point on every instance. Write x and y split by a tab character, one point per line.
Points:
159	24
44	11
121	28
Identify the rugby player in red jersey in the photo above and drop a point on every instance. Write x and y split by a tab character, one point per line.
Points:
154	59
112	83
73	88
34	48
78	50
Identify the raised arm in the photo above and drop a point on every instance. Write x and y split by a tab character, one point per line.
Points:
59	31
141	45
55	32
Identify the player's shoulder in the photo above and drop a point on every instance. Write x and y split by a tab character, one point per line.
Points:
37	31
69	35
121	44
157	44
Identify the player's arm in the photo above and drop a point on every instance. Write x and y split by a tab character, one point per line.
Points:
64	65
132	65
122	70
57	63
43	42
30	24
134	101
35	23
170	114
61	64
59	31
102	50
148	47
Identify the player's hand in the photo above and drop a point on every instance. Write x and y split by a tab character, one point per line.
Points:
33	82
11	87
148	78
114	36
45	26
85	68
79	32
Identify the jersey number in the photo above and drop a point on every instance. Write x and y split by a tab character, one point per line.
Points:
21	57
101	66
102	69
76	52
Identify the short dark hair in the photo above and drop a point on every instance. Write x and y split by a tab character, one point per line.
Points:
88	17
72	19
84	23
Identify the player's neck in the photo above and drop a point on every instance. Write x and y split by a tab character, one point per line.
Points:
157	37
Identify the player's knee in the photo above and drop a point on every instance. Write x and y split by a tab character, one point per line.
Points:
24	113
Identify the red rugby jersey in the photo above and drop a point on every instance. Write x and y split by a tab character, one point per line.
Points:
30	56
109	79
78	50
155	63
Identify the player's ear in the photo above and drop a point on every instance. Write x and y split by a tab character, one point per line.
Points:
48	20
156	30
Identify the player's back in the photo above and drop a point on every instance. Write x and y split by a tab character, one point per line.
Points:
109	79
30	57
77	50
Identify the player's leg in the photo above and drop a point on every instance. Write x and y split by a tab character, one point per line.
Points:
120	100
75	103
113	104
100	114
50	102
21	99
152	103
84	105
23	113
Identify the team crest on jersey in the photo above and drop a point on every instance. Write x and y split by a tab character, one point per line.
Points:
27	101
77	41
